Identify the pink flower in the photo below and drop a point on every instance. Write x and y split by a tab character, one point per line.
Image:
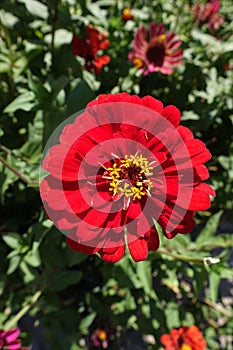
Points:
9	339
100	338
159	54
208	14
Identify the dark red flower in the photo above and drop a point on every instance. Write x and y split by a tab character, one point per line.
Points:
123	163
127	15
88	49
226	66
9	339
159	54
208	14
184	338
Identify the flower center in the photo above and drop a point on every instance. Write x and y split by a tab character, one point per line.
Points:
185	347
128	177
101	334
156	50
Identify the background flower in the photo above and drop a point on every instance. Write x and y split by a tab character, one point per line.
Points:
208	14
88	49
9	339
127	15
184	338
99	338
159	54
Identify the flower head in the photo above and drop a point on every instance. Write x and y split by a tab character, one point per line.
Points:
9	339
123	163
159	54
184	338
208	14
127	15
100	338
88	49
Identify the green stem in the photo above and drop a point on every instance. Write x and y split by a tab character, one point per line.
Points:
182	257
16	172
9	152
11	57
13	322
53	15
218	307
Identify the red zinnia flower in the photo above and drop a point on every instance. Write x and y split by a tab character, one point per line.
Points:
184	338
95	41
9	339
159	54
208	14
127	15
123	163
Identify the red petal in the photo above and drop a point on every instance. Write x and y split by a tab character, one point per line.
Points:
77	247
79	48
199	200
172	114
202	172
138	249
75	201
185	133
112	255
134	210
153	242
152	103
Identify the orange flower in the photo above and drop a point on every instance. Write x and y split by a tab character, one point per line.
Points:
184	338
127	15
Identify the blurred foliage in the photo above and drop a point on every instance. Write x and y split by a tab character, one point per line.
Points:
41	84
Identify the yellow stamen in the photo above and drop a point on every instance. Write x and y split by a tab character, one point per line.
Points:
126	11
162	37
126	190
138	192
185	347
101	334
137	62
128	177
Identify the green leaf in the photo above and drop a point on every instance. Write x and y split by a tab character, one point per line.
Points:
74	258
172	315
86	322
90	79
210	228
36	86
97	12
36	8
57	281
33	259
8	19
59	84
13	240
214	280
26	102
13	264
200	278
144	273
79	97
28	276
